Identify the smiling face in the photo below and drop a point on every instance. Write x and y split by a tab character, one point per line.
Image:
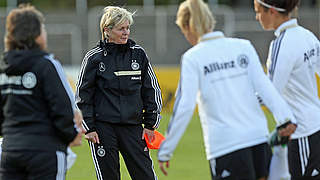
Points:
119	34
263	16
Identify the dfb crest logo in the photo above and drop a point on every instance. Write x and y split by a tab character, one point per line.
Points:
101	152
243	61
135	65
29	80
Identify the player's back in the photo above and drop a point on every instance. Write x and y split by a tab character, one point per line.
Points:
227	101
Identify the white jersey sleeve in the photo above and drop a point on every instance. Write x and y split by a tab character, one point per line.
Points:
282	69
268	63
270	96
318	59
183	107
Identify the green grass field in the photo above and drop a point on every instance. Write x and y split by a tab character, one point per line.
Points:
188	162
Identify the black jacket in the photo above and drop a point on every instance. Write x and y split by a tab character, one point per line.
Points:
118	85
36	112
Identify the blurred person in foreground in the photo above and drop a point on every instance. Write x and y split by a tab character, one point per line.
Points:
222	75
37	116
118	92
293	61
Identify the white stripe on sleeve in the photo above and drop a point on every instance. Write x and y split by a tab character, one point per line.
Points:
82	69
63	78
61	165
157	91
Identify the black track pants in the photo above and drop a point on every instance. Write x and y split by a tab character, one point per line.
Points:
126	139
33	165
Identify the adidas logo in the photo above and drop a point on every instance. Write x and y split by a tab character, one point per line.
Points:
146	148
225	173
315	172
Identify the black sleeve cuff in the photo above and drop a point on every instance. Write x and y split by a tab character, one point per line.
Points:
91	130
148	127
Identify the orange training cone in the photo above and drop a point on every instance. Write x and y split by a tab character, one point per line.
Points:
155	144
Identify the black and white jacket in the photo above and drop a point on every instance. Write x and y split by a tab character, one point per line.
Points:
36	111
117	84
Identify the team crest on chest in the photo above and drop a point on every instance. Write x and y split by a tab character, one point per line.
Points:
243	61
101	152
29	80
135	65
102	67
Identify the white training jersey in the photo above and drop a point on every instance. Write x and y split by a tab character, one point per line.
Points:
294	59
222	76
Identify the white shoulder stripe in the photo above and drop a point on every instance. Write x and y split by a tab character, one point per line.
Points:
82	69
137	47
63	78
88	55
275	53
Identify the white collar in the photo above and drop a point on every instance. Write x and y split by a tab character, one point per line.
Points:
212	36
286	25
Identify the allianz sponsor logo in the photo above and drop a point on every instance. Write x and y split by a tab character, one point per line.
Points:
242	61
218	67
312	56
309	54
15	80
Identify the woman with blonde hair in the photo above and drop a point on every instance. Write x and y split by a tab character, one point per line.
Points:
118	92
294	60
222	75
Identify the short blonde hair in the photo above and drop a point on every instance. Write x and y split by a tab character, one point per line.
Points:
114	16
196	16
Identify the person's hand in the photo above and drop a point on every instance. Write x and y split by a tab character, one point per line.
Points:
78	121
93	137
163	169
288	130
77	141
149	133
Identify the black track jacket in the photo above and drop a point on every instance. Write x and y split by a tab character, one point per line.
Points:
36	109
118	85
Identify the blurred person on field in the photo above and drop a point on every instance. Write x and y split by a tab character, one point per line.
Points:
37	115
293	61
120	97
222	75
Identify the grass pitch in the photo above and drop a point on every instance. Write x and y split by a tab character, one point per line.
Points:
188	162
